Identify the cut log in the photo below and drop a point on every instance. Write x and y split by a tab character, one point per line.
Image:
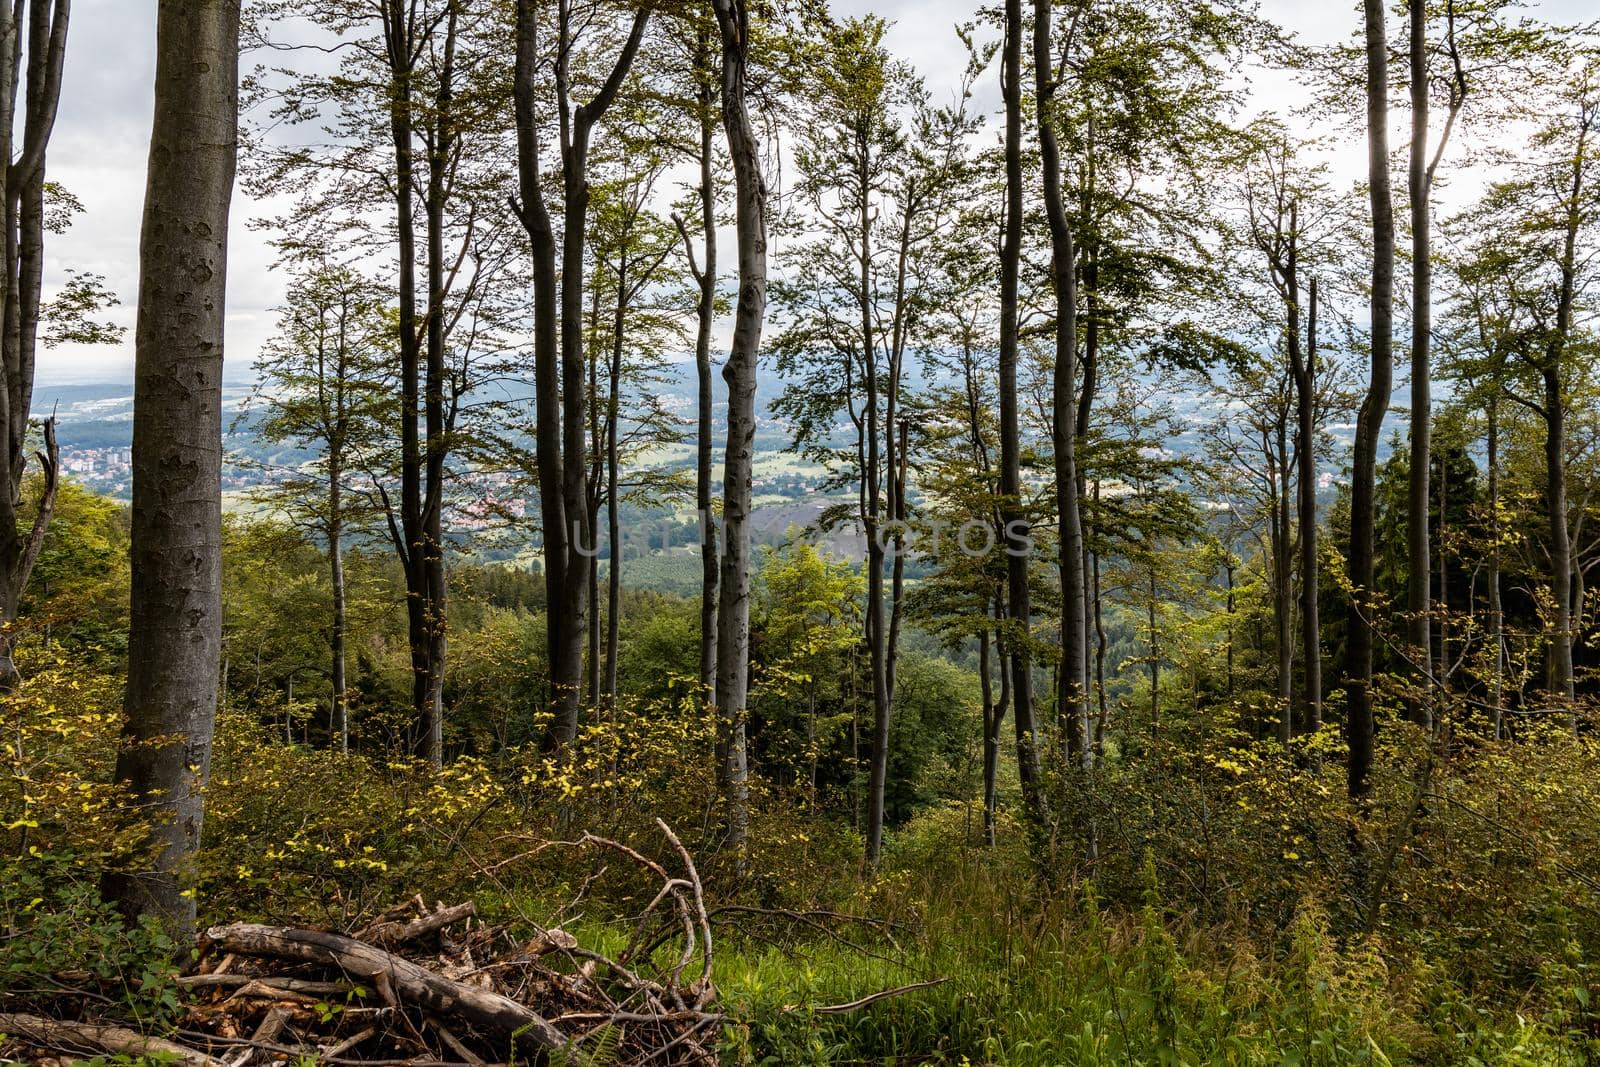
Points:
65	1036
427	989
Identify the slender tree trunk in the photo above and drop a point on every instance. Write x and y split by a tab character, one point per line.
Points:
1441	601
591	658
408	543
1283	582
1016	542
991	746
1087	390
1155	657
1555	459
986	682
1228	568
23	185
1100	643
559	358
872	497
733	608
1420	570
563	633
1359	727
1306	452
614	505
1496	611
336	640
431	547
1072	697
1552	372
705	316
175	621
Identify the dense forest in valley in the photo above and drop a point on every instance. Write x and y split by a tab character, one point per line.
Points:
745	546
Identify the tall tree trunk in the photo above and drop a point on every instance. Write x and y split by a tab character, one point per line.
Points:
992	745
1155	656
608	686
408	543
1015	525
23	207
1555	460
1072	695
336	639
733	608
992	710
559	358
1496	611
1089	368
175	618
1552	371
1359	726
1420	570
1228	570
1103	715
1305	371
1283	581
872	501
431	547
1441	600
705	277
563	633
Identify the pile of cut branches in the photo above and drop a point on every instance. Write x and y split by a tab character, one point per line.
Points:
432	986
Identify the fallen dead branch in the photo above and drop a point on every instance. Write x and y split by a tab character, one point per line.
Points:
873	998
62	1036
397	931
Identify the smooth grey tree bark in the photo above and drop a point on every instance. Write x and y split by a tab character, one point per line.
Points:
175	620
1363	479
560	361
1497	618
1279	464
1418	492
733	606
704	274
1304	366
1553	374
1072	695
1015	539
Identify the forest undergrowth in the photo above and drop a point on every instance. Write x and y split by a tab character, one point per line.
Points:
1216	926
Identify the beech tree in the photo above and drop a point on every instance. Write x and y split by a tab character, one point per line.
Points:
175	620
955	441
1072	710
28	103
1296	224
560	364
695	37
878	171
1018	546
1359	722
633	323
322	387
390	159
733	591
1524	275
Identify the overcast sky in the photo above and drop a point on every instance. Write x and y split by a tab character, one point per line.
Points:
101	137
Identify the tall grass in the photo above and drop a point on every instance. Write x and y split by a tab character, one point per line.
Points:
1062	983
